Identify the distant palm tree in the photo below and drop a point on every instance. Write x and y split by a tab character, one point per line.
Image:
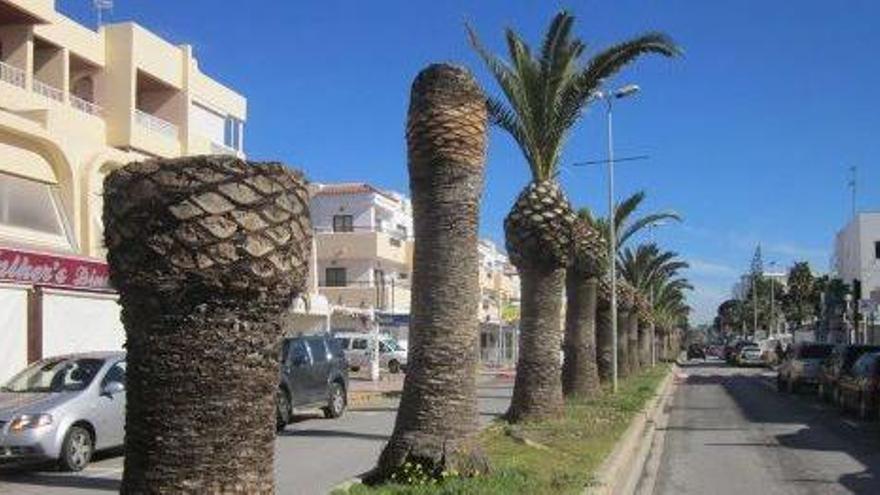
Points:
545	93
446	138
626	225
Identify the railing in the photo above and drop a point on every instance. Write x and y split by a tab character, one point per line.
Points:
155	124
396	234
12	75
48	91
85	106
222	149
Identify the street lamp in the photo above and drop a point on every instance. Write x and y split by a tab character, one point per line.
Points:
609	97
772	306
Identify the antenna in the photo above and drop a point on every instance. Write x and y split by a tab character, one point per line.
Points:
100	7
852	185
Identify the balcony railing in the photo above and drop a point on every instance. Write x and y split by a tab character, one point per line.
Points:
155	124
85	106
12	75
48	91
396	234
222	149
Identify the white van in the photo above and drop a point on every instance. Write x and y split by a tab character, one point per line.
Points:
357	348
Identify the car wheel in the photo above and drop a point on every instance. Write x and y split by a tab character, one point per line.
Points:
77	449
393	367
336	402
283	409
355	368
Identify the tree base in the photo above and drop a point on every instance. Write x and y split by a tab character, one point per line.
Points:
436	458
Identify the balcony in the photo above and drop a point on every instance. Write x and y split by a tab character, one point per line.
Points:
363	244
86	106
155	124
367	295
12	75
47	91
222	149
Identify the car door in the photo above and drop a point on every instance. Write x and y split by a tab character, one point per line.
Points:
298	369
110	409
320	367
360	352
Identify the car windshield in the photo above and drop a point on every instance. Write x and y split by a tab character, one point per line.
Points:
388	344
815	352
56	375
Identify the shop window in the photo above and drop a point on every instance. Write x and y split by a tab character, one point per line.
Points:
31	207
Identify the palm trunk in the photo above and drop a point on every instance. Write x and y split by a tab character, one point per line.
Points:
604	345
623	364
437	419
633	342
537	391
645	345
206	253
580	375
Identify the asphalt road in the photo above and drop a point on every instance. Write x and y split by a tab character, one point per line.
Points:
731	432
311	456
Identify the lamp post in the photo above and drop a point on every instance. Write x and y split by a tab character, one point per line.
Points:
609	97
772	297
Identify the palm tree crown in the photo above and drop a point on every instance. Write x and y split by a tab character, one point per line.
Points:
546	92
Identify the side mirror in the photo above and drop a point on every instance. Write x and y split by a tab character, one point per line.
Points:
113	388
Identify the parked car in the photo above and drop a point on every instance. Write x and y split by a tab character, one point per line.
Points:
731	351
858	389
750	355
314	373
357	348
64	408
801	366
839	363
695	351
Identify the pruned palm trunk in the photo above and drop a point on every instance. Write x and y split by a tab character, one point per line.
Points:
537	390
604	345
206	253
644	344
437	420
580	374
633	342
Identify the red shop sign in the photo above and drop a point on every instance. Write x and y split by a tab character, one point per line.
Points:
53	271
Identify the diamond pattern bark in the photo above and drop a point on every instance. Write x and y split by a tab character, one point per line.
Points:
204	267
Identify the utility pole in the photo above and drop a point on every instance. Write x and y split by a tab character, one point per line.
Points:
852	186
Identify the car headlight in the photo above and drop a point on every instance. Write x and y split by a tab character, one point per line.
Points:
30	421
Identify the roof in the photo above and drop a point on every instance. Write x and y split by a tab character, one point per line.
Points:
345	188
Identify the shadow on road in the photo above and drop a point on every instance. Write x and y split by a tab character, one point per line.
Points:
62	480
333	434
822	428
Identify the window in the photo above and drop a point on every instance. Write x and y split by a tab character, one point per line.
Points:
115	374
394	242
319	352
359	344
877	250
343	342
32	205
343	223
232	135
298	354
335	277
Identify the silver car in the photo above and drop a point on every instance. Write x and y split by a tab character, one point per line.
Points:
64	408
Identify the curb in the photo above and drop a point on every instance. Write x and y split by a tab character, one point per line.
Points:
621	471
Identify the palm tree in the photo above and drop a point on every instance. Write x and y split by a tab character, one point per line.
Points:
671	313
207	253
544	94
627	226
646	268
446	136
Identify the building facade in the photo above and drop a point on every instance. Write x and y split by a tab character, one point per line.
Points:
363	240
76	104
857	254
499	305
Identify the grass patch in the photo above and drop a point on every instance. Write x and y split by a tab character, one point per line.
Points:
560	456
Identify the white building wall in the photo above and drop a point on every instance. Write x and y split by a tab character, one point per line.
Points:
324	207
13	331
80	322
855	255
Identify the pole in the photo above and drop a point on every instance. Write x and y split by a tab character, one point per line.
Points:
772	308
755	302
374	351
612	246
651	302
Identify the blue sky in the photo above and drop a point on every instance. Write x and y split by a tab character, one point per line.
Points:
750	134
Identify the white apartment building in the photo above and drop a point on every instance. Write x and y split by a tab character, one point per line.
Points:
363	239
857	254
499	305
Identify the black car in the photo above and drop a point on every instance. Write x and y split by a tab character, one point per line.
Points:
695	351
840	363
314	373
